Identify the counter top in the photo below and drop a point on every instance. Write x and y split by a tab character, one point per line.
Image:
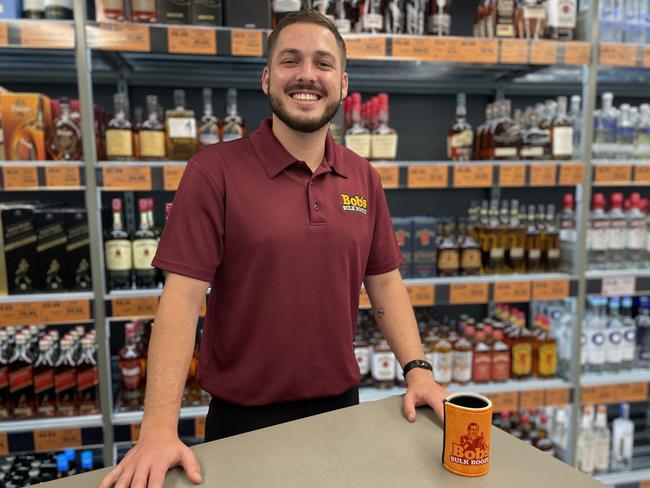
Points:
370	445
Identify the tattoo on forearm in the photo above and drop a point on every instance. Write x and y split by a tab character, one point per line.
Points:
380	313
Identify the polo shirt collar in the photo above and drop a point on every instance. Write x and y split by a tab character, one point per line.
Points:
275	158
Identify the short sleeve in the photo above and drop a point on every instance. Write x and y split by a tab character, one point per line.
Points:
384	254
192	241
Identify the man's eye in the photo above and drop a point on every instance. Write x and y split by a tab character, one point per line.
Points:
325	64
289	61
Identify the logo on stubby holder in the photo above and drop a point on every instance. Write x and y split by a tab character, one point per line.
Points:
472	450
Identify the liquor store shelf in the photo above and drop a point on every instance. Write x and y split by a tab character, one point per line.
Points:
621	173
42	175
127	418
633	476
45	297
619	282
82	421
628	376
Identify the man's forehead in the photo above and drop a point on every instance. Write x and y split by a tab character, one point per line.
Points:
292	36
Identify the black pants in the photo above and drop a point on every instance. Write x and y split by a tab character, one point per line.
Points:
227	419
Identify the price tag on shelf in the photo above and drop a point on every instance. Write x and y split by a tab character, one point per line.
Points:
468	293
504	402
514	51
364	299
646	56
4	444
557	397
135	432
550	290
389	175
47	35
4	34
119	37
417	48
512	291
172	177
19	177
600	394
427	176
618	55
543	52
613	174
543	174
572	174
576	52
642	173
246	42
135	307
473	175
529	400
631	392
512	175
616	286
20	313
54	440
62	176
65	310
467	50
365	47
421	295
191	40
127	177
644	484
199	427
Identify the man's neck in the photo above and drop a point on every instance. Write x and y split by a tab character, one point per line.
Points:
307	147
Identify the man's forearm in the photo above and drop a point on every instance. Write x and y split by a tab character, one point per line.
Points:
170	351
394	315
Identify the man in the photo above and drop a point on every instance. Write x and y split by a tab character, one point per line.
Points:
263	220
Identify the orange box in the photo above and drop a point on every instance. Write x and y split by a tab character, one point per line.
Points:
468	423
26	119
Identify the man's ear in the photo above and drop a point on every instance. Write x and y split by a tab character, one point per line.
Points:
266	75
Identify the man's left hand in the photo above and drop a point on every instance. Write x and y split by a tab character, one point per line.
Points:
423	390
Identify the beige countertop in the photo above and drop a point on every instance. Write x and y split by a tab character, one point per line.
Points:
370	445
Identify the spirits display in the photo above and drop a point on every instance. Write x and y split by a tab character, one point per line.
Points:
233	126
180	126
119	131
145	245
65	139
30	469
531	426
438	17
209	128
151	134
118	252
460	136
623	132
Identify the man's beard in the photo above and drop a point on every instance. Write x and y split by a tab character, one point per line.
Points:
307	125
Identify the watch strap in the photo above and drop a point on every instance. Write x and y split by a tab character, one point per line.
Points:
417	363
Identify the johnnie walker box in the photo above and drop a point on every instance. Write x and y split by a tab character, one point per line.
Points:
51	248
18	258
78	276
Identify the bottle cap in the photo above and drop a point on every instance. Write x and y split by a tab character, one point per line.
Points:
142	204
616	199
62	463
568	200
116	204
86	460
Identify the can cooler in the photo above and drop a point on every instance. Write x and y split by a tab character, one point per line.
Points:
467	427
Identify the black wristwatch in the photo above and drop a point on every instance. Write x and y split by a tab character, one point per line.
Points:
417	363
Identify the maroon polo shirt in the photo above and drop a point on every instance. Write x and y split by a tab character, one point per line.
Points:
286	252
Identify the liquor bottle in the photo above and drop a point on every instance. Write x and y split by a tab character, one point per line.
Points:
616	232
65	138
635	234
480	134
21	380
504	18
561	132
443	359
642	143
614	337
371	16
110	10
233	126
595	334
533	243
362	354
58	9
587	442
151	136
144	11
131	369
643	332
180	126
448	252
280	8
576	121
209	129
88	379
603	439
561	19
530	19
462	361
5	357
521	350
415	17
597	234
516	235
622	439
625	134
606	129
118	251
44	380
383	140
496	241
568	220
482	360
545	351
506	134
138	115
65	381
382	366
174	11
357	137
536	142
438	22
551	241
144	249
394	17
500	360
119	135
340	11
470	252
460	135
629	334
33	9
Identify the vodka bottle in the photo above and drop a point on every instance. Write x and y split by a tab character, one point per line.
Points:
603	440
635	236
616	232
596	332
625	134
642	142
614	342
629	333
622	439
611	21
576	121
634	28
643	332
587	442
597	234
605	129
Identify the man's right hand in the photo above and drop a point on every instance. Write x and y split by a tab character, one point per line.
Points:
146	464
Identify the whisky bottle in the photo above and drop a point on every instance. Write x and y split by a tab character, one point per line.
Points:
207	12
506	134
233	126
280	8
470	251
479	140
119	135
131	370
544	351
65	139
58	9
536	143
415	17
562	132
462	361
394	17
495	241
489	18
533	243
504	18
383	141
209	129
33	9
500	360
438	21
530	19
138	115
551	241
174	11
340	11
521	350
460	135
21	380
144	249
88	379
483	225
5	356
482	359
382	367
516	240
118	251
151	136
110	10
448	256
443	357
180	125
65	381
44	380
561	19
357	137
144	11
371	16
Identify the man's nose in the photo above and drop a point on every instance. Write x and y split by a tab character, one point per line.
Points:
307	73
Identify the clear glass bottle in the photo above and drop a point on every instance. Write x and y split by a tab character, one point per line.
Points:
371	16
460	135
233	125
622	440
603	438
635	235
643	332
606	129
576	122
561	132
209	129
629	334
625	134
151	136
180	125
616	232
597	234
614	343
383	140
357	137
587	442
119	131
438	17
642	142
65	139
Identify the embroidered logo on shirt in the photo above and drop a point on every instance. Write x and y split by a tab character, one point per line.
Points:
354	203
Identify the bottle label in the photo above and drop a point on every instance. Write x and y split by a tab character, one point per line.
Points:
44	381
113	5
562	142
65	380
596	347
282	6
152	144
343	25
143	252
623	439
119	143
181	127
439	23
534	254
597	236
462	366
532	152
636	234
613	348
505	30
207	138
118	255
383	366
505	152
470	259
547	359
522	359
131	376
32	5
20	379
363	359
143	5
373	22
460	143
383	146
562	13
87	379
442	366
601	462
505	8
66	140
4	377
359	143
496	253
448	260
500	365
399	372
481	367
616	235
629	343
516	252
553	253
59	3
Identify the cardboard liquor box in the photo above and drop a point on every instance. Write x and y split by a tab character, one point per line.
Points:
18	239
424	247
26	121
403	227
247	13
77	273
207	12
174	11
51	248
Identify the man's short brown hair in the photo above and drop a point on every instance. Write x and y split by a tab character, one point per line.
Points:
306	16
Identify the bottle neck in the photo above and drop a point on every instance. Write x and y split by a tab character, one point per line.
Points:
117	221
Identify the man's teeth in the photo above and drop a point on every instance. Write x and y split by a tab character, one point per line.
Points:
304	96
